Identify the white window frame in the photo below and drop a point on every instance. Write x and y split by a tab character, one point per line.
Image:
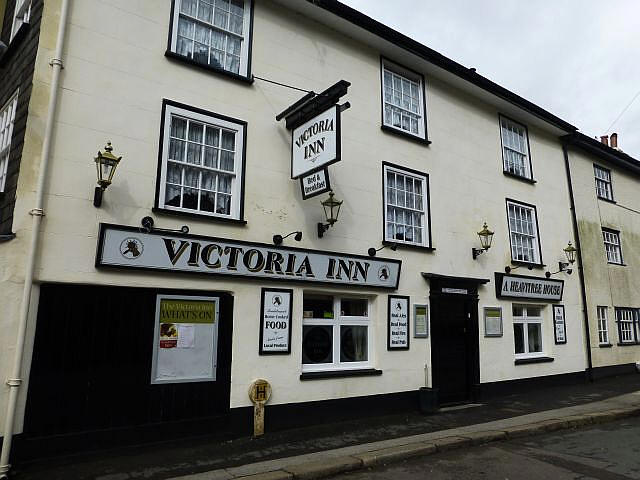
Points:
426	221
245	37
604	186
336	322
525	320
21	15
514	138
237	179
603	325
415	78
613	246
516	244
7	121
628	320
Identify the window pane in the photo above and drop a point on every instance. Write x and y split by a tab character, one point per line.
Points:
190	198
317	306
176	150
317	344
224	183
174	173
211	157
226	161
535	337
188	7
518	334
193	153
178	127
208	181
224	204
207	201
350	307
172	196
205	11
353	343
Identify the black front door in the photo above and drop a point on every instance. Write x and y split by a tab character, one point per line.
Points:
454	345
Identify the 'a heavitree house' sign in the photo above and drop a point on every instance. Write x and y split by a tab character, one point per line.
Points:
131	247
533	288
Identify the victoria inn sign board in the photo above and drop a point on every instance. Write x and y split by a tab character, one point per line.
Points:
132	247
316	143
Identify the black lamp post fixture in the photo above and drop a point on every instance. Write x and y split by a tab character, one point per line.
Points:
106	164
147	227
331	211
277	239
570	252
372	251
486	236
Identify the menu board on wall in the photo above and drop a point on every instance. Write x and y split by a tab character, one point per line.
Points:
275	321
492	321
398	323
185	341
559	324
420	321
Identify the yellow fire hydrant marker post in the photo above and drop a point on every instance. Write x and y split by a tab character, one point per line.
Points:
259	393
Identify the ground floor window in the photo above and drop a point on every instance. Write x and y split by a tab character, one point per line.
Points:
603	327
527	330
628	320
335	333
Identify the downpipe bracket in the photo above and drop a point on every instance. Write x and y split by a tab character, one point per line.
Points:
14	382
56	62
36	212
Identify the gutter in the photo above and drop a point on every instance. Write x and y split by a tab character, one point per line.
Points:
15	381
373	26
583	288
599	149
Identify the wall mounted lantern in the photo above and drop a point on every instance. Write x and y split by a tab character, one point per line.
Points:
106	164
570	252
277	239
486	236
372	251
331	208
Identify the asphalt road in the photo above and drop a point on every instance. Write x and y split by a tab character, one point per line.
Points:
609	451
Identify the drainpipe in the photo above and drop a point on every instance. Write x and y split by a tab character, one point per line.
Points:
37	213
583	288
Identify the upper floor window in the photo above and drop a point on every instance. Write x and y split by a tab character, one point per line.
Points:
603	182
406	206
403	100
202	163
523	231
612	246
515	148
628	320
603	327
7	118
21	15
213	33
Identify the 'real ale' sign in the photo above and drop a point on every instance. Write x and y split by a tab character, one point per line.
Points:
129	247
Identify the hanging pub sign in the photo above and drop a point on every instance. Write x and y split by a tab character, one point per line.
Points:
131	247
398	323
532	288
315	184
275	321
559	324
316	143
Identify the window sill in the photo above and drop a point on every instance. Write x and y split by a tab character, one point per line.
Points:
628	344
402	133
605	345
174	213
607	200
14	43
617	264
364	372
181	58
520	263
518	177
7	237
424	248
526	361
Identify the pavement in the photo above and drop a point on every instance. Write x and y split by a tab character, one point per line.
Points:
324	450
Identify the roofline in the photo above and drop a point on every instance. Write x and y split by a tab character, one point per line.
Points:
596	147
373	26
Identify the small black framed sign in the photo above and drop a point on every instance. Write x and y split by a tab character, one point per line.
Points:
420	321
276	308
398	324
492	321
315	184
559	325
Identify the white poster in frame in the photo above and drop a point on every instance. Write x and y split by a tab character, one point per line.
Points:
559	324
185	339
276	307
492	321
398	323
420	321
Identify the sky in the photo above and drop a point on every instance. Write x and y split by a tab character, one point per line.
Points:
578	59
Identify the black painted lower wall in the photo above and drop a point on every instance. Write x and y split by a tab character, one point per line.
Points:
614	370
489	390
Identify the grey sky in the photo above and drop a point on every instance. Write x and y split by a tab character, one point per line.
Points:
579	59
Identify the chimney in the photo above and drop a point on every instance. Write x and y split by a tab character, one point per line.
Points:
605	139
614	140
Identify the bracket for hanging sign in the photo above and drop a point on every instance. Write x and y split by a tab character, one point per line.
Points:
315	184
314	121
